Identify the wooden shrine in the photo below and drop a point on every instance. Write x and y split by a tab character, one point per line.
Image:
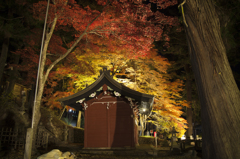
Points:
111	112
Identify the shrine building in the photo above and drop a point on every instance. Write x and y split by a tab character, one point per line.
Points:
110	112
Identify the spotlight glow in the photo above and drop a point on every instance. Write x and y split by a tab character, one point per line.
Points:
183	137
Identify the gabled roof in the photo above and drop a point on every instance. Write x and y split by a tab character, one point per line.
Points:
105	78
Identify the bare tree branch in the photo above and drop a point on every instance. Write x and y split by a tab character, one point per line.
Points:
68	51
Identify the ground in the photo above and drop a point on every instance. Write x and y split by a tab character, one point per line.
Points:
141	152
19	155
86	156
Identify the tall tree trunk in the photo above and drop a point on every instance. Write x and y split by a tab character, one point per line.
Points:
37	117
37	104
37	109
4	54
42	80
217	89
189	100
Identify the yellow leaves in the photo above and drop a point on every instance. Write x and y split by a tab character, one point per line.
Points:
84	80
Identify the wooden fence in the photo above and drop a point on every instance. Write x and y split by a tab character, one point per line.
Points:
16	138
42	138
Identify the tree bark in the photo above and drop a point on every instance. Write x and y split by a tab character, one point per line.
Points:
37	117
217	89
189	100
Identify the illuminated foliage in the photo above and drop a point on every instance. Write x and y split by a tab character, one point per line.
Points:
146	75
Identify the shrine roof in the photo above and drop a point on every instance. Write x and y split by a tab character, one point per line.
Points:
105	78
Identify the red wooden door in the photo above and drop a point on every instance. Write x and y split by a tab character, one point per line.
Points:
108	123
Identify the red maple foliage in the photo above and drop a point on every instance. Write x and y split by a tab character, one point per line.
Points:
117	26
127	21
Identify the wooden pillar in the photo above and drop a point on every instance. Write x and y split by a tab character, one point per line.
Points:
79	119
